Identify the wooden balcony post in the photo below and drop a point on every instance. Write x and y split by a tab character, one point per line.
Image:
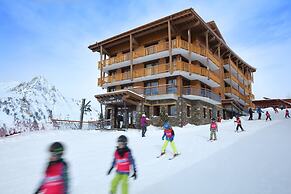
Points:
221	72
230	74
101	65
103	76
131	57
189	50
170	46
237	75
207	47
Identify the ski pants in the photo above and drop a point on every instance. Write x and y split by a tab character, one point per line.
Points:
212	135
239	126
172	145
123	178
144	130
260	115
268	118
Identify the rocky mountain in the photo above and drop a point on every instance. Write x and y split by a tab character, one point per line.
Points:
37	101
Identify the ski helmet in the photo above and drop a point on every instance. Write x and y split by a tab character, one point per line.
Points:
57	148
122	139
167	125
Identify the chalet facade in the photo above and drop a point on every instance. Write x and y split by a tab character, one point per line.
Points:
179	64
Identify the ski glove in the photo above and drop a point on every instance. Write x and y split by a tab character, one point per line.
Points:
109	171
134	175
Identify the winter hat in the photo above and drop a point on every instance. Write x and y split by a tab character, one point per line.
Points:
143	115
167	125
122	139
57	149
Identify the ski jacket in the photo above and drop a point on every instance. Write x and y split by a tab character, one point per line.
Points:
143	121
56	178
238	121
169	134
213	126
268	114
259	110
123	160
287	112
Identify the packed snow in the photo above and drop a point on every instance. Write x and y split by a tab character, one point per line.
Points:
255	161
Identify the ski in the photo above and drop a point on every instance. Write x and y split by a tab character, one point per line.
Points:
160	155
174	156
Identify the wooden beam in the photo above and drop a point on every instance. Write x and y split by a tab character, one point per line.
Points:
101	64
189	50
131	57
170	46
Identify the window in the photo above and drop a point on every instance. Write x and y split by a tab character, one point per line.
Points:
172	110
108	115
147	111
204	112
188	111
210	113
110	89
171	86
151	88
157	111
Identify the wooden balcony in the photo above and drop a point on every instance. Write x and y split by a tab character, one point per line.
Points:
203	92
163	46
234	78
164	68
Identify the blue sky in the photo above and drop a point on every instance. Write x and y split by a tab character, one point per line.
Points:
50	38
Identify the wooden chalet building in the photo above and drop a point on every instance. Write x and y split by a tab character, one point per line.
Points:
180	64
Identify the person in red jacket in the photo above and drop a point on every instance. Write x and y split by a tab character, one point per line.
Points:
238	121
122	160
287	114
268	116
56	174
213	130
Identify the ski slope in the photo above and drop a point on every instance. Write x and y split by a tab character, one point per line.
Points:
253	162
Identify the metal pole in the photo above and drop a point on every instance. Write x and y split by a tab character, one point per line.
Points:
82	113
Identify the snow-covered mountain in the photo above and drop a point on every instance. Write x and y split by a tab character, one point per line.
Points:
36	101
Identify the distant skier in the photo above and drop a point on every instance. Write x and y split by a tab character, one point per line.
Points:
122	160
268	116
143	124
259	111
287	114
251	113
276	110
56	174
169	135
213	130
238	121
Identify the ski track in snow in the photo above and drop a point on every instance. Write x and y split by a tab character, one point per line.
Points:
90	153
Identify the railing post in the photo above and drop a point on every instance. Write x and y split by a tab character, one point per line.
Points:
101	64
170	46
189	50
131	57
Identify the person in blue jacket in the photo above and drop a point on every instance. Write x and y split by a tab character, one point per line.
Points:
169	134
259	111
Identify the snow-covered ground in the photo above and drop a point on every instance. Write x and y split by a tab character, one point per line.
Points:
252	162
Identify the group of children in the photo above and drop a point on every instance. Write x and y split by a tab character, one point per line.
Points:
56	174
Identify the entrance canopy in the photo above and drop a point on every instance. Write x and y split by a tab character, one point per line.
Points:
120	97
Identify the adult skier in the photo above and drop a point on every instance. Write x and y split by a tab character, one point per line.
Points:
238	121
259	111
169	134
122	161
213	130
143	124
56	174
251	113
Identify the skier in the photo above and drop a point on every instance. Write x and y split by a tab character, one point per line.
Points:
238	121
122	161
251	113
268	116
259	111
287	113
169	134
143	124
56	174
213	130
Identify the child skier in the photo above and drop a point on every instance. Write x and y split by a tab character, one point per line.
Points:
169	134
287	114
56	174
122	161
268	116
238	121
213	130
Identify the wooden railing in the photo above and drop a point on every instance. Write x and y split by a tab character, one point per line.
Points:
164	68
234	78
162	46
156	90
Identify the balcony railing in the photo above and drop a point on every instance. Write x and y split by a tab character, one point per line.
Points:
163	46
233	78
156	90
164	68
189	90
235	92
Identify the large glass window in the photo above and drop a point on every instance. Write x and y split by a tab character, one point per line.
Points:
172	110
172	86
151	88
